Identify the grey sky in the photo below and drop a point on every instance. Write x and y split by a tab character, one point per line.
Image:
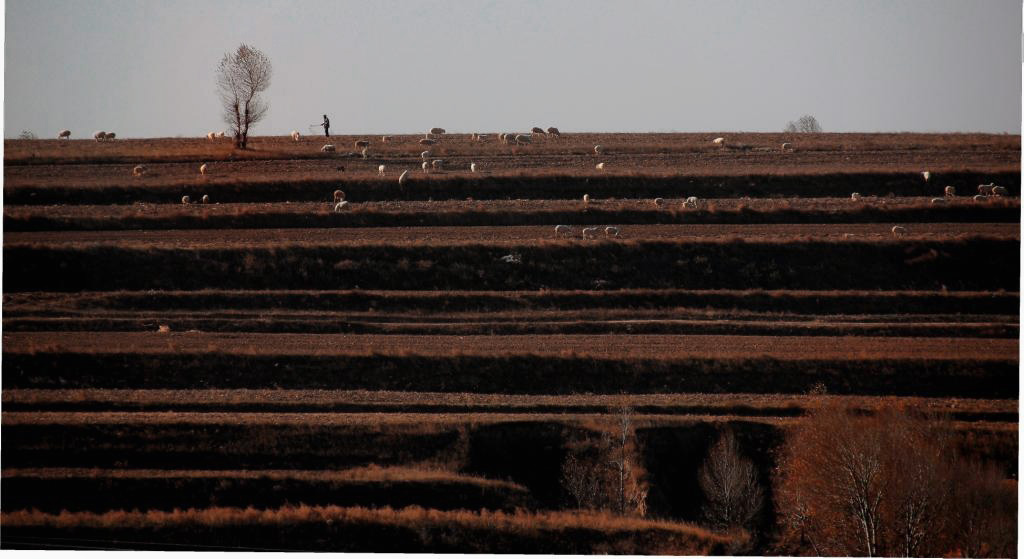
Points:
146	67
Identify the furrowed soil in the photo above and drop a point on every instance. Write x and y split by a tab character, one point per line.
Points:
411	372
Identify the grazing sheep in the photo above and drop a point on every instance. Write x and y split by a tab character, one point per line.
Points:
220	134
660	202
99	136
926	175
436	131
211	135
537	130
339	195
328	148
586	198
202	169
365	153
855	196
718	141
426	142
425	155
589	232
611	231
359	144
426	166
600	166
64	134
899	230
598	149
139	170
562	230
295	135
386	139
691	202
186	200
980	198
206	198
787	146
949	191
380	170
985	188
437	164
342	205
938	200
111	135
472	167
553	131
1000	191
402	177
523	138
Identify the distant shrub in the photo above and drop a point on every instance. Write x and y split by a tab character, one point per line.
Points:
26	135
806	123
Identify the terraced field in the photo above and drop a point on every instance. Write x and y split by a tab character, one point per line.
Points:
414	372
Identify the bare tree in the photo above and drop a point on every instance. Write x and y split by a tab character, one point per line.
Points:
729	481
241	77
805	124
887	483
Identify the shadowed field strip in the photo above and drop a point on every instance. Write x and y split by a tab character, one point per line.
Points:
204	238
602	346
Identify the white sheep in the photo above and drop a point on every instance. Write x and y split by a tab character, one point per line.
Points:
139	170
855	196
938	200
553	131
342	205
718	141
402	177
598	149
206	198
523	138
926	175
899	230
211	135
220	134
611	231
786	146
980	198
186	200
437	164
562	230
472	167
99	135
380	170
327	148
589	232
339	195
1000	191
426	142
482	137
425	155
691	202
64	134
950	191
426	166
296	135
365	153
600	166
202	169
660	202
586	198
